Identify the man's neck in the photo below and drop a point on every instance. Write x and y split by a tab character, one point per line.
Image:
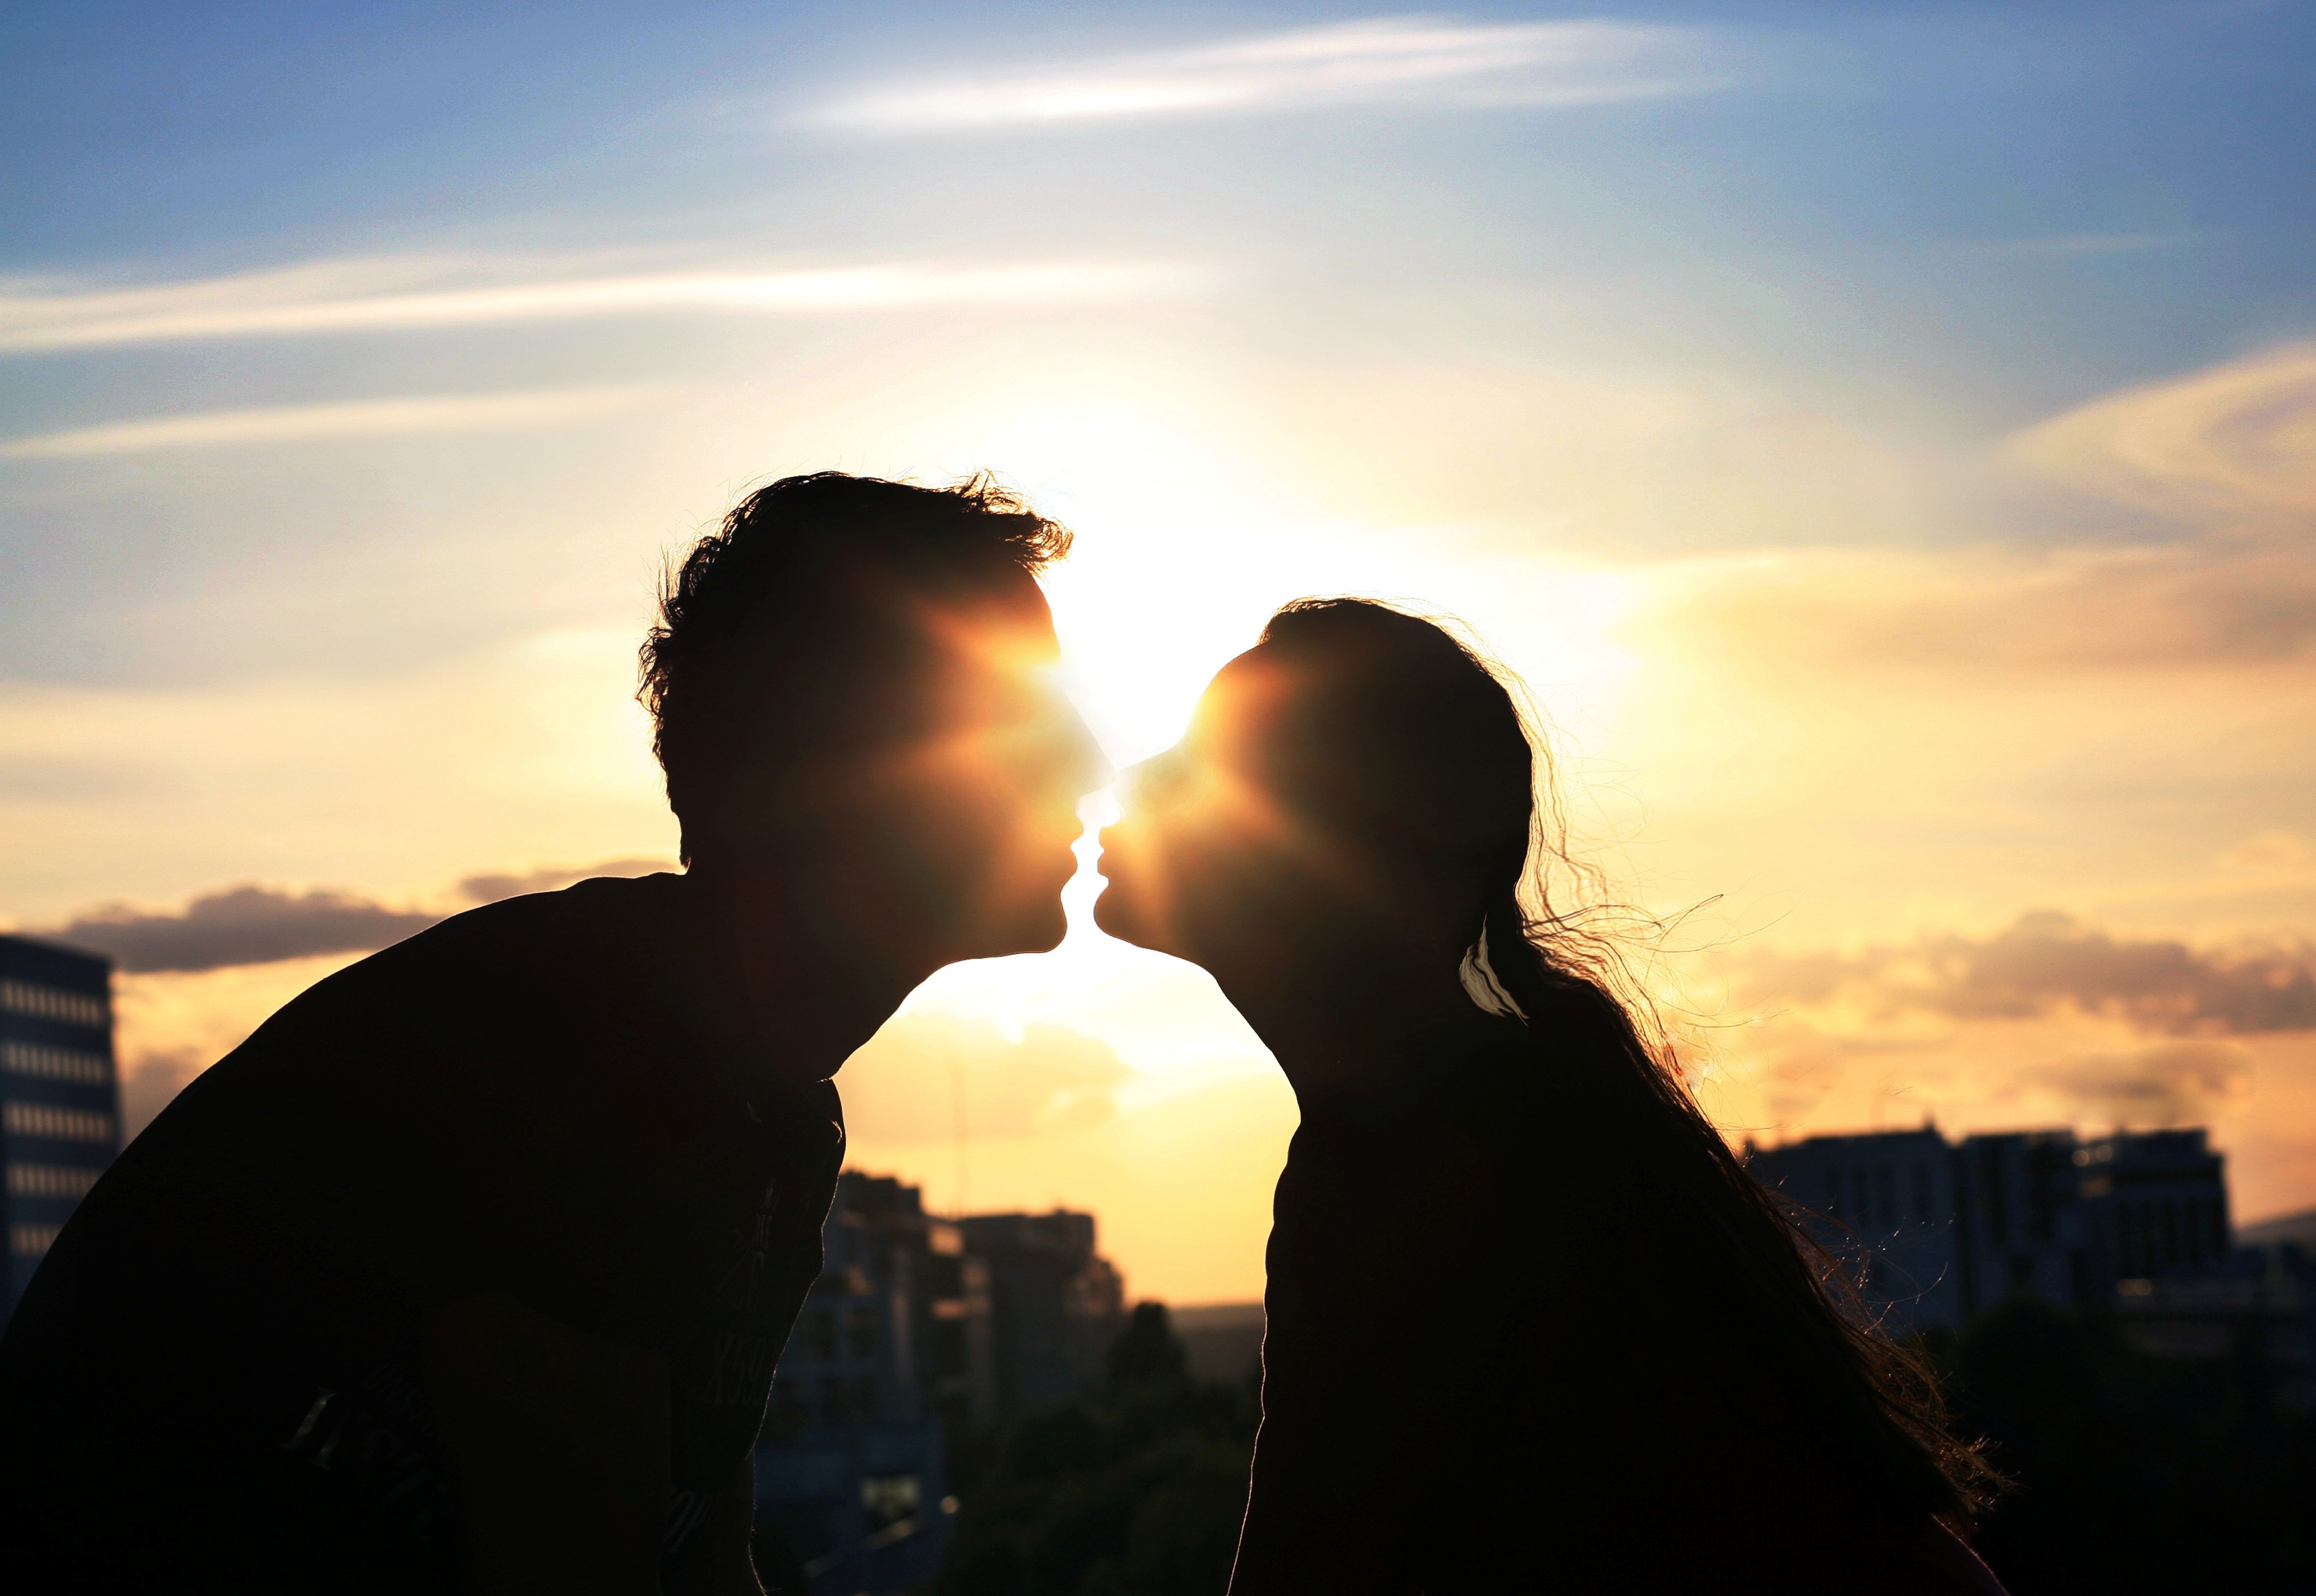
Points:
817	994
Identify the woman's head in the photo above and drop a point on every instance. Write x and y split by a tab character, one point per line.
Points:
1358	782
1359	774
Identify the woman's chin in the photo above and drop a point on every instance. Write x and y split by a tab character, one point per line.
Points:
1113	913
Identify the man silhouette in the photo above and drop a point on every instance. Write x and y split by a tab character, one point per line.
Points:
471	1268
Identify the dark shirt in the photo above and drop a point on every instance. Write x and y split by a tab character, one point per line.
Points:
211	1383
1495	1360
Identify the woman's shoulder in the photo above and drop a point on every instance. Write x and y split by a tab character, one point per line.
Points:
1932	1560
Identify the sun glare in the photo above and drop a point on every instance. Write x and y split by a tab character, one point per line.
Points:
1185	545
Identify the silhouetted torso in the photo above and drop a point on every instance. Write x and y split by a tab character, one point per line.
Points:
212	1381
1495	1362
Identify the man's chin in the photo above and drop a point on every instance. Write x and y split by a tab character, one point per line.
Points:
1032	931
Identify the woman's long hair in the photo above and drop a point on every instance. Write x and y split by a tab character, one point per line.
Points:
1442	770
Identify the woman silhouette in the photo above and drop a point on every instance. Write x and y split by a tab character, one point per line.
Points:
1530	1327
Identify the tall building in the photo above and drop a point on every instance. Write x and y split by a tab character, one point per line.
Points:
1886	1204
917	1325
1055	1305
59	1096
850	1475
1940	1232
2156	1205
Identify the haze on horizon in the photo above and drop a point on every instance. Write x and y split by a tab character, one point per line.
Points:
1883	441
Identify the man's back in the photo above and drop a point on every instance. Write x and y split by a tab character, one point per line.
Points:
215	1379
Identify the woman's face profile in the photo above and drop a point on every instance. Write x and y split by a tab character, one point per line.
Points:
1209	862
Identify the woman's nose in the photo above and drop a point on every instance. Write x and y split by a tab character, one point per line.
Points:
1143	783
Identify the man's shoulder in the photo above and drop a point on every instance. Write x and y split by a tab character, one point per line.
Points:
587	944
604	917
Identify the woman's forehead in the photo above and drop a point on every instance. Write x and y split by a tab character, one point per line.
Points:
1253	700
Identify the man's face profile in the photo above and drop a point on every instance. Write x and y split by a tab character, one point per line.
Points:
947	817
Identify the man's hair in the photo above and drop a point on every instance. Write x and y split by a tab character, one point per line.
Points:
800	576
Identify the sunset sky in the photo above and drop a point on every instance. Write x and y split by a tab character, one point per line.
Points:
1883	438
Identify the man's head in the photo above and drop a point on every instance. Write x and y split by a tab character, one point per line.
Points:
853	695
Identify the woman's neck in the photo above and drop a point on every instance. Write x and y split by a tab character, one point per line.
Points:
1351	1024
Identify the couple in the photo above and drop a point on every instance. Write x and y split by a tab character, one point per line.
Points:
470	1268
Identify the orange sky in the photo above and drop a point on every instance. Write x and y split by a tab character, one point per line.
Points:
1849	772
1892	478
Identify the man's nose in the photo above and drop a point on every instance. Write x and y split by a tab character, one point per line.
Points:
1090	767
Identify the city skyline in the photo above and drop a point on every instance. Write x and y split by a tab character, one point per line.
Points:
1882	442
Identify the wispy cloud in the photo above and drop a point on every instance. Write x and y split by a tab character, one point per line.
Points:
1404	58
393	293
2061	246
358	418
2233	439
2048	962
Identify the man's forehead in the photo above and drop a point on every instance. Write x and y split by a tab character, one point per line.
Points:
997	626
942	654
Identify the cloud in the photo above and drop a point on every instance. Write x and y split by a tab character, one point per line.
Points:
2232	446
242	925
1420	59
2049	964
362	418
151	1081
2164	1084
927	1074
393	294
2230	441
2216	601
246	925
30	777
2064	244
491	888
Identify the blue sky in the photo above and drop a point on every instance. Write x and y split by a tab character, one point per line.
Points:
1884	437
1949	220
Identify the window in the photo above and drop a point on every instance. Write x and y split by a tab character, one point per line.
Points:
819	1335
56	1124
860	1332
890	1503
1886	1197
31	1241
1923	1192
867	1398
835	1409
55	1064
1833	1193
50	1179
41	1001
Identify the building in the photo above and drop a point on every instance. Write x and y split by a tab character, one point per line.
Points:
1055	1305
893	1338
2154	1204
917	1325
1886	1203
2259	1313
59	1095
1938	1233
2019	1223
